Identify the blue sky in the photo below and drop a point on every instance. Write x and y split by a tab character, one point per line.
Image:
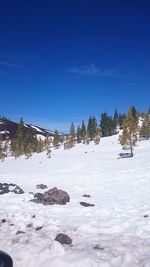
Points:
62	60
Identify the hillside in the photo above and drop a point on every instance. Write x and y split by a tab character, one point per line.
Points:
113	233
8	129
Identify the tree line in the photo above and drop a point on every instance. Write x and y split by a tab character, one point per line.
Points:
26	141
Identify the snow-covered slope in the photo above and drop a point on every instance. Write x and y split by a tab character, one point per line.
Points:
114	233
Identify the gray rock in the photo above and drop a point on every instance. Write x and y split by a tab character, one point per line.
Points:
86	196
20	232
51	197
63	239
17	190
4	188
41	186
38	228
85	204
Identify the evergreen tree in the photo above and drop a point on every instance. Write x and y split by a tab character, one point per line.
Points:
18	144
72	131
145	129
2	154
134	114
30	141
129	135
121	118
79	135
92	127
116	117
56	140
39	145
48	153
107	125
83	131
28	151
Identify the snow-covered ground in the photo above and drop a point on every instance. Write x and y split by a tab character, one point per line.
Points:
114	233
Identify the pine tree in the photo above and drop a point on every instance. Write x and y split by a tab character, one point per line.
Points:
79	135
56	140
145	129
30	141
39	145
129	135
18	144
107	125
72	131
2	154
121	118
48	152
83	131
134	114
28	151
115	118
92	127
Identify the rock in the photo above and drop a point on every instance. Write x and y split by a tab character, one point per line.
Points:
41	186
30	225
17	190
33	216
85	204
98	247
51	197
63	239
86	196
146	216
38	196
38	228
3	220
4	188
20	232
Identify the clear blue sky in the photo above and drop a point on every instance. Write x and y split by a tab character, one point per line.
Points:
63	60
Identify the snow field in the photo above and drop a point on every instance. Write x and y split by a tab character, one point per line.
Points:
114	233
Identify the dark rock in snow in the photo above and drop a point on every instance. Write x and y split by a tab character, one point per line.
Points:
20	232
86	196
17	190
51	197
5	188
38	228
30	225
146	216
85	204
63	239
41	186
98	247
3	220
38	196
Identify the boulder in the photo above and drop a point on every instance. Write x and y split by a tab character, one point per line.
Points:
52	196
63	239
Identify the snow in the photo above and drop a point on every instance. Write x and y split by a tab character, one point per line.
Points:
26	126
4	132
36	128
40	136
113	233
